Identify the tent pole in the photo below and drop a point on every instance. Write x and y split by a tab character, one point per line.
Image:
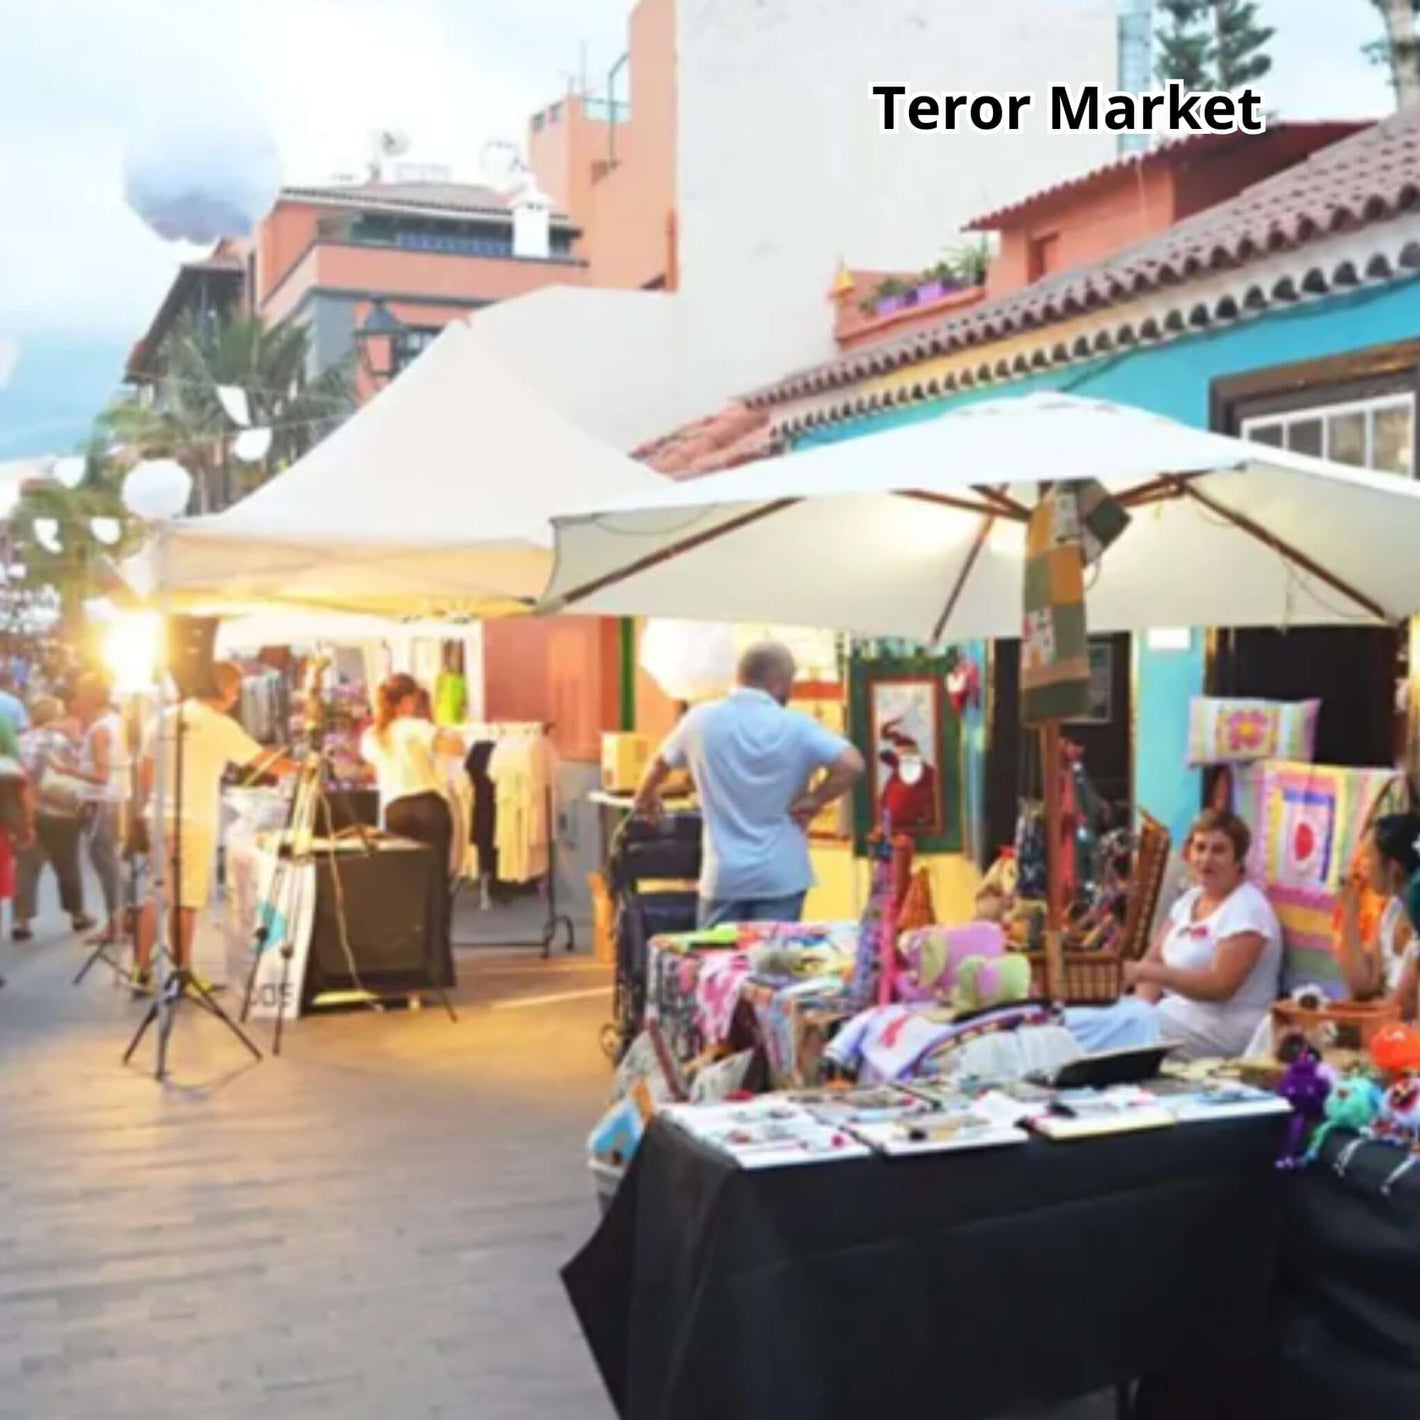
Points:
1286	550
1055	889
688	544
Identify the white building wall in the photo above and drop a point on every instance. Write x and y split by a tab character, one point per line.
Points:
783	169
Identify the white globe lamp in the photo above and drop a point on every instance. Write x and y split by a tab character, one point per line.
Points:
157	490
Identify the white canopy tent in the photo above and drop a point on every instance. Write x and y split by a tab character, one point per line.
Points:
919	532
433	500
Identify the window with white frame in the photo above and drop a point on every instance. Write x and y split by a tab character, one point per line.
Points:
1376	433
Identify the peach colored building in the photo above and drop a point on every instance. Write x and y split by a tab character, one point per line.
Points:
610	163
430	251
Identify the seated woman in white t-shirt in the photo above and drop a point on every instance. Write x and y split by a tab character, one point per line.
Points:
403	749
1213	971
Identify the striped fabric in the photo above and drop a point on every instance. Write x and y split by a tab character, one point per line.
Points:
1069	530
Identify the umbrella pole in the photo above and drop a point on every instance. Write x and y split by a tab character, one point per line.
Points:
1055	893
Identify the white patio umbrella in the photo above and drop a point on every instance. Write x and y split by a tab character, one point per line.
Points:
919	532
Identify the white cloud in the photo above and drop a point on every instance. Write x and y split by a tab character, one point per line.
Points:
78	76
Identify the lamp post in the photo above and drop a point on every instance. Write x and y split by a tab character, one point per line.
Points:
155	492
378	332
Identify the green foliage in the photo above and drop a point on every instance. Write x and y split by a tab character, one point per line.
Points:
1398	48
1239	43
1212	44
1185	44
186	421
966	264
76	570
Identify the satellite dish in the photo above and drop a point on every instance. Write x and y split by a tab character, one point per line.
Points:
502	164
390	142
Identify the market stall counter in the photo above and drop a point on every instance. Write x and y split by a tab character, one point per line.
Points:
364	915
962	1284
1348	1306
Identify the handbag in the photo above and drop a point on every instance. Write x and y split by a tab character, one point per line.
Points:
60	794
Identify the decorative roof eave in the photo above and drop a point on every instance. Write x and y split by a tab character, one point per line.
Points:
1376	255
1367	179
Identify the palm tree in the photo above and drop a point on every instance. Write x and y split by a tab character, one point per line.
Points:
74	561
1400	49
186	420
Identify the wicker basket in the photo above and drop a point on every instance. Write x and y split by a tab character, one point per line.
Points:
1097	977
1091	978
1340	1025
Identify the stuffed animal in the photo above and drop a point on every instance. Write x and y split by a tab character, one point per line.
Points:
1305	1087
991	981
1396	1048
1354	1103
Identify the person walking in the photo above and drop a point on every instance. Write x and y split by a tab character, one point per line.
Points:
753	760
105	765
50	757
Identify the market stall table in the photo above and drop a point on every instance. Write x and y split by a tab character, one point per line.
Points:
958	1284
706	997
373	927
1348	1302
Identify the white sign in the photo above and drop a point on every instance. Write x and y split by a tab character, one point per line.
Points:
269	913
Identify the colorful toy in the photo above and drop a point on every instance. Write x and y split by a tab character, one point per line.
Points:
1396	1048
1305	1087
1354	1103
991	981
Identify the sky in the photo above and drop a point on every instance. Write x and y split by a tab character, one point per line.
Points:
79	79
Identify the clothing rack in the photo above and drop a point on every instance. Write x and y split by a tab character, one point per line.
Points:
491	732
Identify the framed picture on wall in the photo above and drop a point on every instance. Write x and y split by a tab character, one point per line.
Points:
907	731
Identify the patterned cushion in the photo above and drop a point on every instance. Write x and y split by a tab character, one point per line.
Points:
1241	731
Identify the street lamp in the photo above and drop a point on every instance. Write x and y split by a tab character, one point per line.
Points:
379	330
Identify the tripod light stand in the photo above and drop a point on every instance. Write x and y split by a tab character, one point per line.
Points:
157	491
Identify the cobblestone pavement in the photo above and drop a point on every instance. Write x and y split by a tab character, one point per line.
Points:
369	1226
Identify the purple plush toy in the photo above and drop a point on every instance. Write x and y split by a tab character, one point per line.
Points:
1305	1087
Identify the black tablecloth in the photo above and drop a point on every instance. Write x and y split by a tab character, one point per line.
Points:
390	902
961	1284
1349	1290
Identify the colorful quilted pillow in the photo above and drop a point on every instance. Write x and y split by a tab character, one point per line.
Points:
1242	731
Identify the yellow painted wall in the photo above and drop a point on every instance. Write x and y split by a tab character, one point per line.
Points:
843	885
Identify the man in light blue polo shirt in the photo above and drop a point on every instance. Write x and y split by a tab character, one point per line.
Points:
752	760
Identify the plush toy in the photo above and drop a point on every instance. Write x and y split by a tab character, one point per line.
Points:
991	981
1354	1103
1305	1087
1396	1048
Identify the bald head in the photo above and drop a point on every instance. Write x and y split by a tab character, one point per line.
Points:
768	666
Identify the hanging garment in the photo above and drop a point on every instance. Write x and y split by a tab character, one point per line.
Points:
485	809
521	768
450	699
458	790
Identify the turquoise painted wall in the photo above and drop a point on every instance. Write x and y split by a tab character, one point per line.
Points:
1175	380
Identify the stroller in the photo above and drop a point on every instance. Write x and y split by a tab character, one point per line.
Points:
665	857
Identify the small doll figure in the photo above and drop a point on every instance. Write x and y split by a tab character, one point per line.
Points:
1354	1103
1399	1126
1305	1087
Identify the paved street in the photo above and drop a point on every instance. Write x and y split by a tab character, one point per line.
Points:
369	1226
